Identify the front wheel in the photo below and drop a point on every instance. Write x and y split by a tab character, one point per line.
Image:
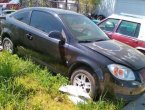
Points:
8	45
83	78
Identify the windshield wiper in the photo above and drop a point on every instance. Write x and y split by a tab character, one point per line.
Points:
88	41
85	41
100	40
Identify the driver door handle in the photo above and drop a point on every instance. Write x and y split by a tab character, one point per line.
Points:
29	36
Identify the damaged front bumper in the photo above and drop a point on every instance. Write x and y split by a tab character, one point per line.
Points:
124	90
128	93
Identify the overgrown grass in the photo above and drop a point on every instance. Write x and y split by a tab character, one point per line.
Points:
26	86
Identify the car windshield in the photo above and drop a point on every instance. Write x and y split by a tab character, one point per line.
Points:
83	29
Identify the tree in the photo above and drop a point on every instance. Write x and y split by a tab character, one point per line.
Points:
83	6
88	6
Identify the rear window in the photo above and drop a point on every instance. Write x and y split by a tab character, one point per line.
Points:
22	16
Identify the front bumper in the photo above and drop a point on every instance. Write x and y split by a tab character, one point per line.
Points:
122	90
128	93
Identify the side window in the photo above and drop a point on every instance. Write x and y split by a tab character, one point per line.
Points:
129	28
44	21
109	24
137	30
22	16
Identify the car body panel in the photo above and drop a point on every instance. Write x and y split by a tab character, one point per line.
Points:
134	42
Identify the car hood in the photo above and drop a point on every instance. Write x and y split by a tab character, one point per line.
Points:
118	52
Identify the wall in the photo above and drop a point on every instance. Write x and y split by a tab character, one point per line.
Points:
136	7
106	7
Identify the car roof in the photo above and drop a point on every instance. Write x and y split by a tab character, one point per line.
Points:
53	10
129	17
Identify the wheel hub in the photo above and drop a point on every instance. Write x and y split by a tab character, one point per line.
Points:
83	81
8	45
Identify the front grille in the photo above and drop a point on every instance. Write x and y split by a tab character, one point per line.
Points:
142	74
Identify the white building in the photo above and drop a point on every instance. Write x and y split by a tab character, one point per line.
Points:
108	7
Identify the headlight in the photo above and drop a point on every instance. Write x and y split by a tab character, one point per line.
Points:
121	72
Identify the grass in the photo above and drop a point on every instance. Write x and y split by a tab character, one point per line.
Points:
26	86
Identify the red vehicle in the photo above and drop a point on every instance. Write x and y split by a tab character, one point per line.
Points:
3	1
126	28
13	4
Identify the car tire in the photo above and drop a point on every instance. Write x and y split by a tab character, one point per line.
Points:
8	45
83	78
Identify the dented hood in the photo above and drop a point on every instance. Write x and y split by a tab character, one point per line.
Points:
119	53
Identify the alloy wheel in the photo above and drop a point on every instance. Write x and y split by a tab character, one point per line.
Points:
8	45
82	81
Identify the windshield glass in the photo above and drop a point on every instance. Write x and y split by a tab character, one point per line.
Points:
82	28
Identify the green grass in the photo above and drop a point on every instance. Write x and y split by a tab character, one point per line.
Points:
26	86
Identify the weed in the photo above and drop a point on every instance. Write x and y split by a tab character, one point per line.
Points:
26	86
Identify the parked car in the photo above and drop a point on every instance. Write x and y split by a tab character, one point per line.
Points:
126	28
70	43
6	12
10	4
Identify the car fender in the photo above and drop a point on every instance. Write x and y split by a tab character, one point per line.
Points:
6	31
86	62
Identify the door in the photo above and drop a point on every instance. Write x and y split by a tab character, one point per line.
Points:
40	46
20	21
109	25
127	32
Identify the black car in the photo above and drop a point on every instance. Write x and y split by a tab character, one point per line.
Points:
71	44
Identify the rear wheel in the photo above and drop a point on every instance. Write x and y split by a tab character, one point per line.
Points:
83	78
8	45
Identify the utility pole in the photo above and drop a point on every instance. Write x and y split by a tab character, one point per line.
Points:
37	3
66	2
78	5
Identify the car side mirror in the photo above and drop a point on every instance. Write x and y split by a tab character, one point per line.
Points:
57	35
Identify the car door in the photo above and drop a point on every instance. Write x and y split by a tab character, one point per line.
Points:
20	21
40	46
127	32
109	25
